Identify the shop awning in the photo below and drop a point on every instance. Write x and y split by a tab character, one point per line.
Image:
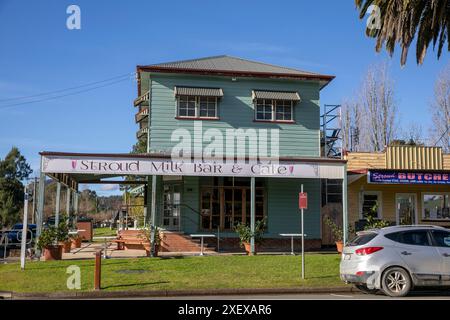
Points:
89	168
199	92
276	95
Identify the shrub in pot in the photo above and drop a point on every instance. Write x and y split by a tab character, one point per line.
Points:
62	235
338	233
46	243
245	234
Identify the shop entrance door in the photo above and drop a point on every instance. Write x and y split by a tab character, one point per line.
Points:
406	208
171	207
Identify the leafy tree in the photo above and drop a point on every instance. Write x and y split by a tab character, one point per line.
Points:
400	21
13	169
140	147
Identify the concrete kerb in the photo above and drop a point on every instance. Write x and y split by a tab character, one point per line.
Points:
175	293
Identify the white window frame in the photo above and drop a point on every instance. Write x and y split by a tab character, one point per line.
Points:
273	117
379	194
397	213
197	108
422	202
275	111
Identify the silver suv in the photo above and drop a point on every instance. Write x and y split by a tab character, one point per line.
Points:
395	259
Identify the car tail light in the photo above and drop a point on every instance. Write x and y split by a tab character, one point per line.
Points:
367	250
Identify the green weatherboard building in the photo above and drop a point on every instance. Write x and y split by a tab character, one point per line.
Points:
227	93
201	111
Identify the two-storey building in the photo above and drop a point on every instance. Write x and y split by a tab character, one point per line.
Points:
218	95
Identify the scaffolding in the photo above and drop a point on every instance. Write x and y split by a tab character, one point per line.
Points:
331	131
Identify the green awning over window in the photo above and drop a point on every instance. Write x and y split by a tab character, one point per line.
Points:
199	92
275	95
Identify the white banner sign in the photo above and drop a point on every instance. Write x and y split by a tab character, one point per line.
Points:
143	166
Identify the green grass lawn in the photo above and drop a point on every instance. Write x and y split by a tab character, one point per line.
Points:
263	271
104	232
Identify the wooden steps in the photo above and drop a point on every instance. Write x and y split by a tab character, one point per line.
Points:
180	242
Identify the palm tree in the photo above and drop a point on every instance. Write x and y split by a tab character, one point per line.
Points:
400	20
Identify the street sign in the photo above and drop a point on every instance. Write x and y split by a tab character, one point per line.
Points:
303	200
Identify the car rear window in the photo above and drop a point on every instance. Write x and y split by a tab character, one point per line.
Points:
362	239
415	237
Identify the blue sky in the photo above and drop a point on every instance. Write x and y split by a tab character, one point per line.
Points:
39	54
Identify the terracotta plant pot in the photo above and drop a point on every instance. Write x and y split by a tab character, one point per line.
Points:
66	246
53	252
339	246
247	247
76	243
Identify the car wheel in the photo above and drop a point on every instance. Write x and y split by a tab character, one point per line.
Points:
396	282
363	288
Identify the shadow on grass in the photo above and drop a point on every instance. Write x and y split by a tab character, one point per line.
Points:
171	257
41	265
140	284
321	277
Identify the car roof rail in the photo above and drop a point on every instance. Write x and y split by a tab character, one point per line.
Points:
419	226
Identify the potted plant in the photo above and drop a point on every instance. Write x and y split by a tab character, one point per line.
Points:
338	233
62	235
372	222
146	234
47	241
76	240
245	234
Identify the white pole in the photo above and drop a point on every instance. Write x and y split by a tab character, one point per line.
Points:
252	214
24	230
344	205
303	243
57	205
153	217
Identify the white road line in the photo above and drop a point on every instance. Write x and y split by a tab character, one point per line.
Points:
340	295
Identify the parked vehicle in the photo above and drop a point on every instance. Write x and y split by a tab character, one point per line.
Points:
15	234
397	259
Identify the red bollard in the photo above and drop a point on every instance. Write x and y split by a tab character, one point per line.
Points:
98	270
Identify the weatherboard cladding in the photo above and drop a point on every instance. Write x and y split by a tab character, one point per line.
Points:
276	95
236	110
232	64
200	92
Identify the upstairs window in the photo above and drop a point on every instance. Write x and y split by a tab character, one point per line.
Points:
274	110
186	106
208	107
283	110
276	106
264	109
197	107
197	102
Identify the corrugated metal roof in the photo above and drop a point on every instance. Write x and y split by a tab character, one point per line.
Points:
414	157
228	63
201	92
275	95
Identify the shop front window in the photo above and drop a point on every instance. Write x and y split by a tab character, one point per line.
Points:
370	205
436	206
225	202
